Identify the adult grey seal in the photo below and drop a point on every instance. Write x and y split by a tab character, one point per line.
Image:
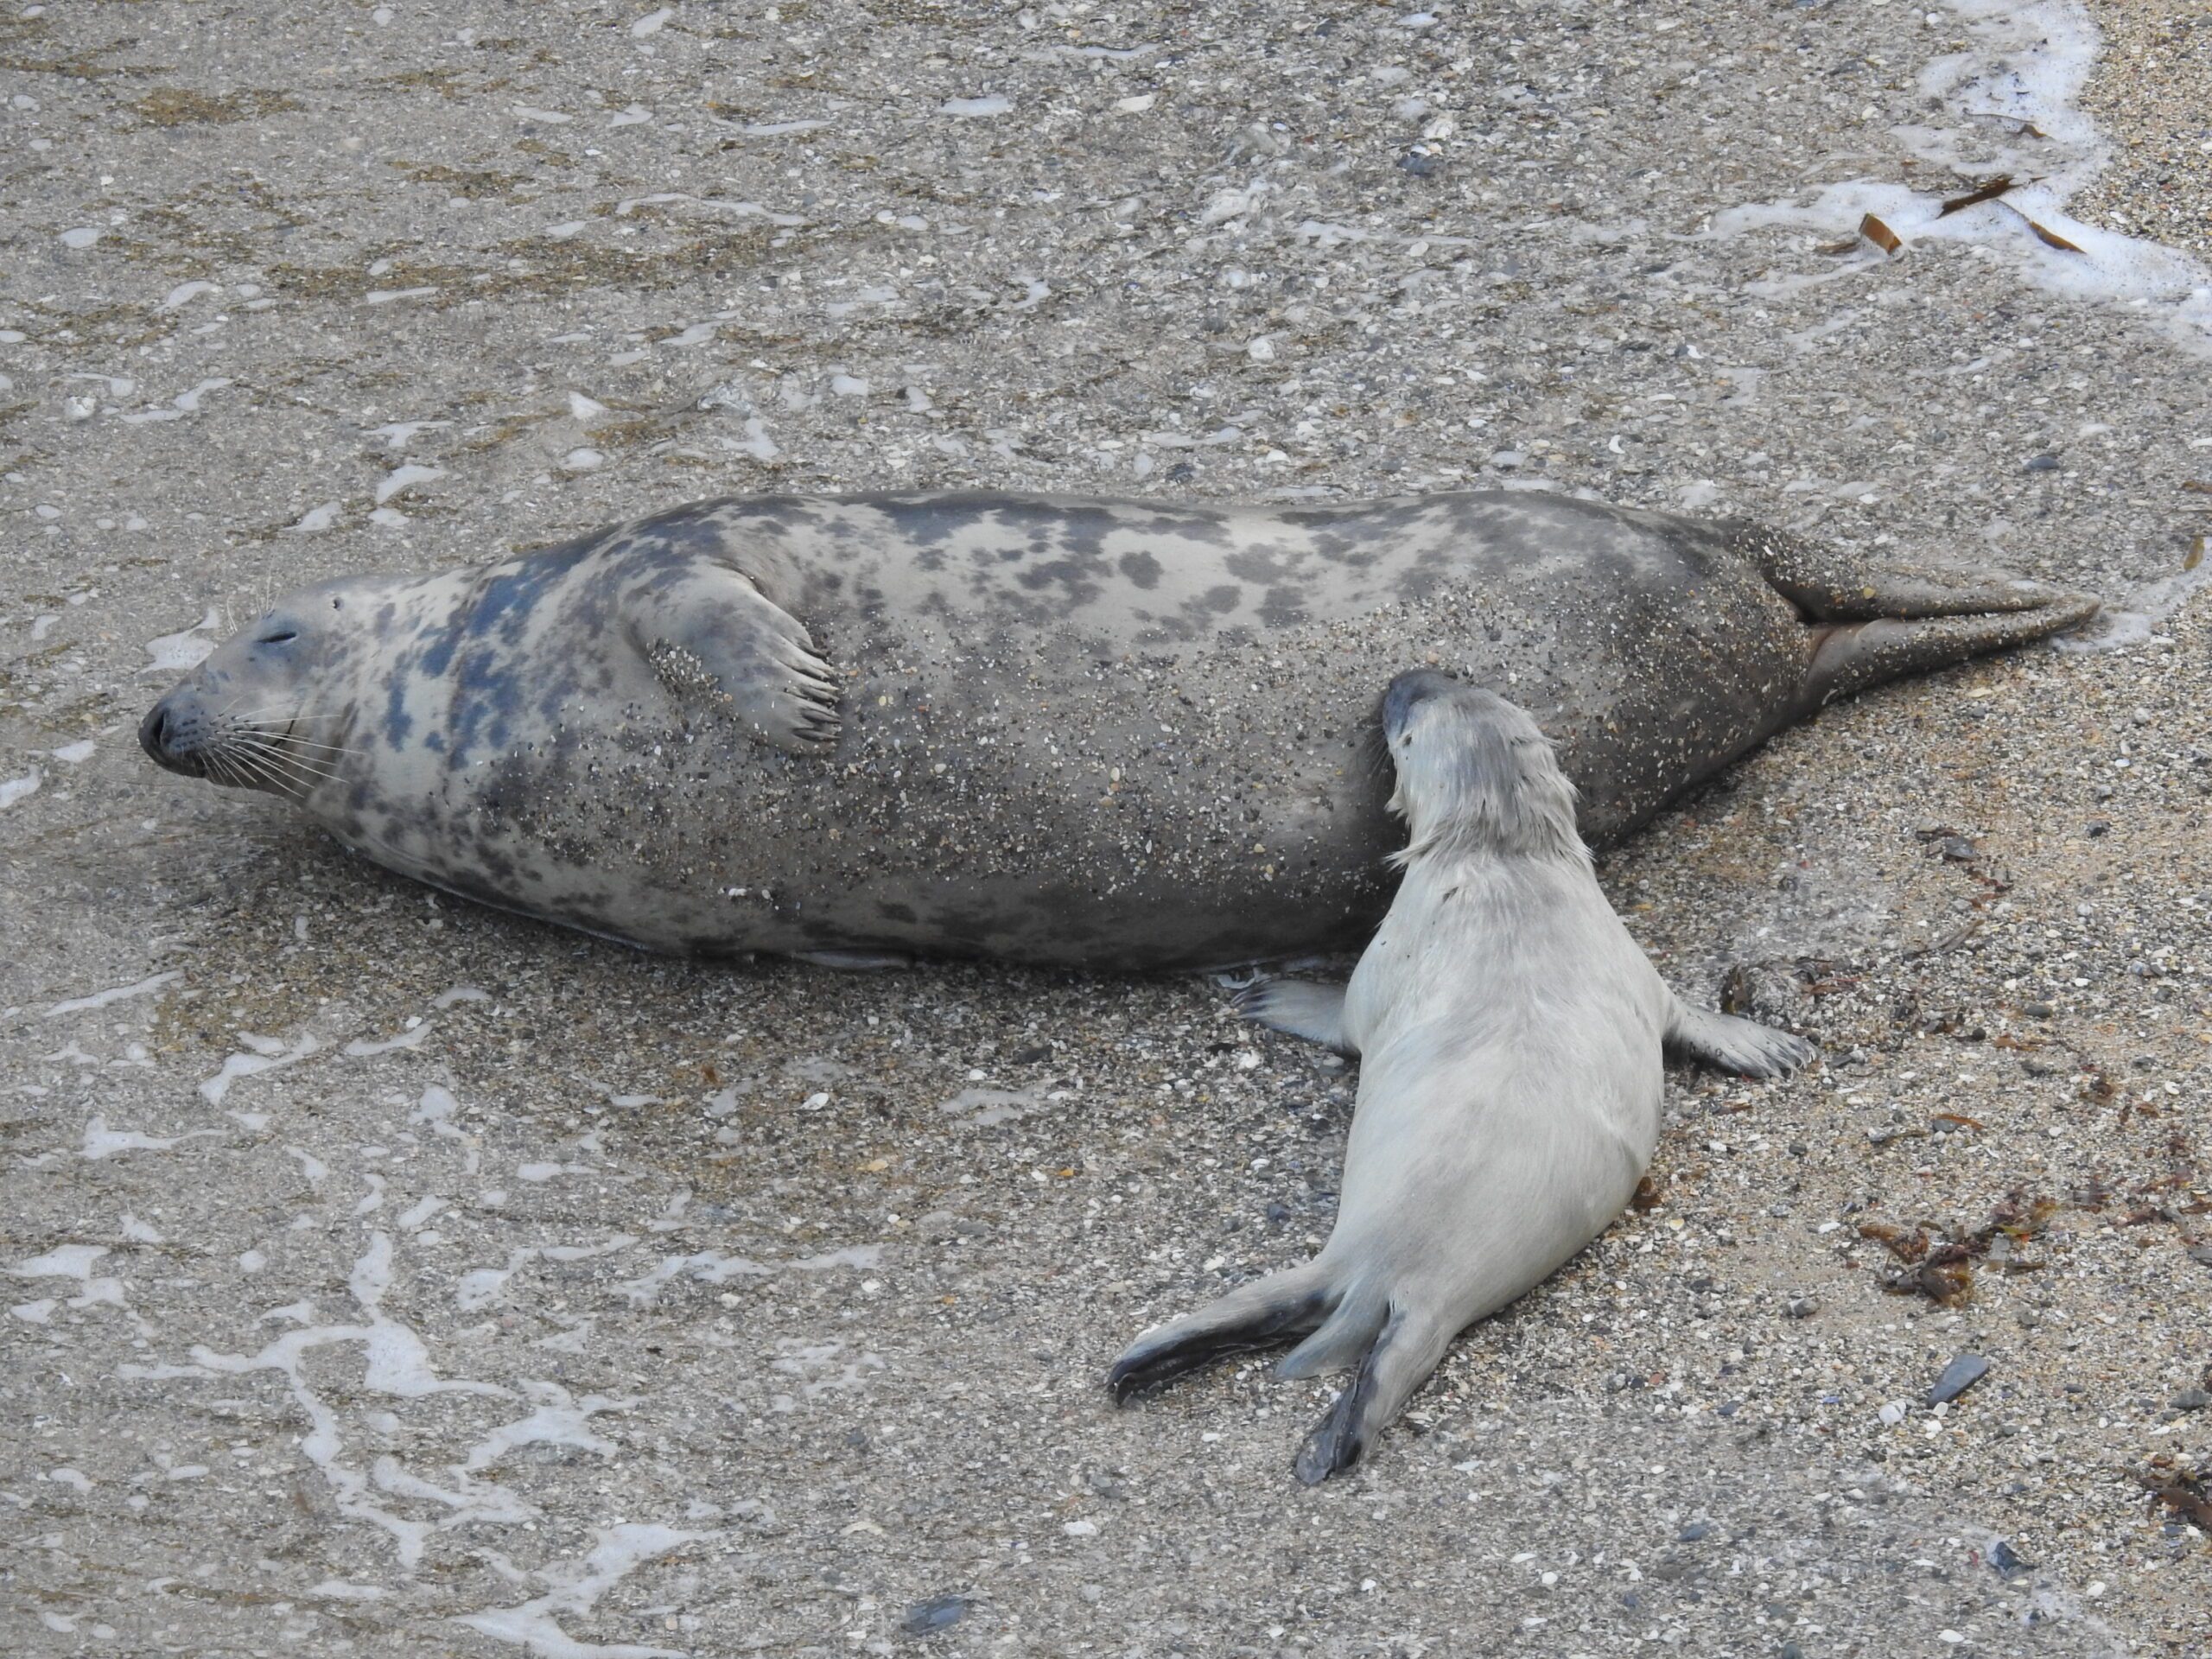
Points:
1113	733
1510	1033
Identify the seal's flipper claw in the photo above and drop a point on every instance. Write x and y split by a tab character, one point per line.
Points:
1402	1357
1743	1046
1303	1007
715	638
1268	1311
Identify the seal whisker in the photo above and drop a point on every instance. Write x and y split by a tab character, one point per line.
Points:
290	763
253	776
223	768
262	711
246	762
261	744
288	740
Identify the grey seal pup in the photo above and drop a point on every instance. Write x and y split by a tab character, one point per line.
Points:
1509	1033
1105	733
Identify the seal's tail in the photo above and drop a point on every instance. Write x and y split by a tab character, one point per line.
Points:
1873	625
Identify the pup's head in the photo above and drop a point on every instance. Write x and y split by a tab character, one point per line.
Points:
1474	773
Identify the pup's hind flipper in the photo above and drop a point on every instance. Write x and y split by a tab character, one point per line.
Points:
1278	1308
1734	1045
1304	1007
1400	1359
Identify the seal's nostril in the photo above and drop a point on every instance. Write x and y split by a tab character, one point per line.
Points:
153	731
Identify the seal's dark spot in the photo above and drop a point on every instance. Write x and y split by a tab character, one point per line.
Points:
397	721
1284	607
508	598
929	521
1141	569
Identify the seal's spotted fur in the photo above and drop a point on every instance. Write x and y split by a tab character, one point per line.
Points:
1109	733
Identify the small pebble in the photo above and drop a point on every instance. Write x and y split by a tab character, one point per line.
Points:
2040	464
2190	1400
1959	1376
937	1613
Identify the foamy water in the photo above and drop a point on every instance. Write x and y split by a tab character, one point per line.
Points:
366	1386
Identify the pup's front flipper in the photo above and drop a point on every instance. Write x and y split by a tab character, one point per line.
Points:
1278	1308
715	639
1304	1007
1402	1357
1734	1045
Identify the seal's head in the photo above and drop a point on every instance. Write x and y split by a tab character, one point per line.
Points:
246	716
1473	772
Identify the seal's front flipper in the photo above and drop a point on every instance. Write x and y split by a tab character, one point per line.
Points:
714	640
1268	1311
1303	1007
1403	1355
854	962
1743	1046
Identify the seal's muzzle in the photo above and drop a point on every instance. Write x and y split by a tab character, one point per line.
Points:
1407	692
172	735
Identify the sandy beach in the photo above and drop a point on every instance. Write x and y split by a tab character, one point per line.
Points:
390	1276
2148	95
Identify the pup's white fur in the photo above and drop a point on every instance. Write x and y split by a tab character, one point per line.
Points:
1509	1033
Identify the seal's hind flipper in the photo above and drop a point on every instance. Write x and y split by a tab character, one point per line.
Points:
1401	1358
1262	1314
1874	624
715	639
1851	657
1829	584
1743	1046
